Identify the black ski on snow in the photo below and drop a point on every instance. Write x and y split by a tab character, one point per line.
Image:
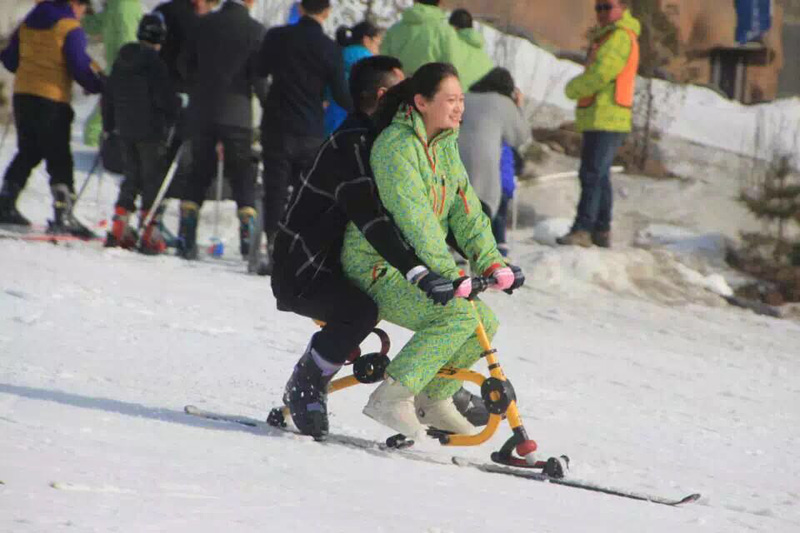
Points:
331	438
585	485
380	448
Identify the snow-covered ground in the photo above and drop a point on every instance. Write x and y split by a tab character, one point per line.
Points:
101	349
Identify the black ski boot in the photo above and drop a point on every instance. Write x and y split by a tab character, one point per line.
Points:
64	221
306	396
472	407
187	230
8	206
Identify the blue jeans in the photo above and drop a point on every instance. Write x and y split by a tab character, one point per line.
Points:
597	155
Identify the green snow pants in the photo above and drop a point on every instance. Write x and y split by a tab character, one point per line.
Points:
443	335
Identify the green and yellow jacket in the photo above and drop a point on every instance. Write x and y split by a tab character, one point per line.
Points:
605	89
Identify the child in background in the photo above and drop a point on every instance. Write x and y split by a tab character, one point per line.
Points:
141	105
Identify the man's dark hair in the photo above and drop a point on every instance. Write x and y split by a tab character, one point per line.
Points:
315	7
82	2
429	2
369	75
461	19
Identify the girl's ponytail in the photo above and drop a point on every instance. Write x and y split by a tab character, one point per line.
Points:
390	103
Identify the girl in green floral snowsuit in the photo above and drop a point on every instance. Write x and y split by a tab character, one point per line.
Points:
424	186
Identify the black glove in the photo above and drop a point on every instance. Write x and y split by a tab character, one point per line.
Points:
437	288
519	279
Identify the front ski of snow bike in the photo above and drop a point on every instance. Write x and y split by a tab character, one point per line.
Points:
497	394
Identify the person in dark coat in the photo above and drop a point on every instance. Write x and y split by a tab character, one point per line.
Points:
219	65
180	19
140	106
46	53
307	278
302	62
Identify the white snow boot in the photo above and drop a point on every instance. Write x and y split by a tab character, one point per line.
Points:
392	405
442	414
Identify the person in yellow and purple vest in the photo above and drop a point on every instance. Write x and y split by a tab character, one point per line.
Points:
605	100
47	52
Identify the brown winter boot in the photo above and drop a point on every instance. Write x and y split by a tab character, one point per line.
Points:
576	238
602	239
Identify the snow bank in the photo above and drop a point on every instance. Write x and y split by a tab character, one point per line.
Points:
711	247
654	275
670	264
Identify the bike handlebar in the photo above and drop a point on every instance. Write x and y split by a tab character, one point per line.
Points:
479	284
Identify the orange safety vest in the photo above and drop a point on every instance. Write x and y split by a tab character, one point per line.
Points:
625	83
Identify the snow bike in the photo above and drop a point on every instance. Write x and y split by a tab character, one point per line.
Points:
497	393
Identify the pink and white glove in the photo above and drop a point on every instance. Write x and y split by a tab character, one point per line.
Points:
463	287
503	276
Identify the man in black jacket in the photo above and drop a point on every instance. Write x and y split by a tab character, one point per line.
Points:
219	64
307	277
302	61
140	104
180	18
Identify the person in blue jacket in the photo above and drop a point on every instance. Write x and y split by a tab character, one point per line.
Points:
362	40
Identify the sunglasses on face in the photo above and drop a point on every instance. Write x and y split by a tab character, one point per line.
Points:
603	7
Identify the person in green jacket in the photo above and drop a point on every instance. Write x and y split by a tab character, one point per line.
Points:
475	62
605	99
424	186
423	35
117	25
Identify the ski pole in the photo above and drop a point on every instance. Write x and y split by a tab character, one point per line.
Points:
173	168
100	173
216	243
86	181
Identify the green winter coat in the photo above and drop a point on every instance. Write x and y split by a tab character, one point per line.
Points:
474	62
117	24
422	36
598	80
425	204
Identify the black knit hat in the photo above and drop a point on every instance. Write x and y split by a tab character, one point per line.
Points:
152	29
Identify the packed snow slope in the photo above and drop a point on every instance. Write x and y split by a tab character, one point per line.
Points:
101	349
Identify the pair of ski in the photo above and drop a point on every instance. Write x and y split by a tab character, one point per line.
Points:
37	233
401	450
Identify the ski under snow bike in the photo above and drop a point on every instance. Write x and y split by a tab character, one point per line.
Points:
497	394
